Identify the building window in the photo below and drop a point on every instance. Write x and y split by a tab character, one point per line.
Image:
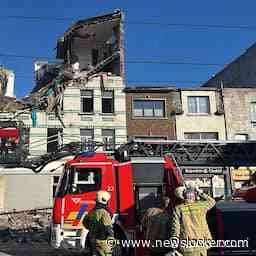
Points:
108	102
150	138
62	104
253	111
198	104
26	135
87	136
55	184
54	139
149	108
201	135
108	137
86	101
241	136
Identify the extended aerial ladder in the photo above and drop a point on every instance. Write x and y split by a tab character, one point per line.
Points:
196	153
222	154
184	153
212	157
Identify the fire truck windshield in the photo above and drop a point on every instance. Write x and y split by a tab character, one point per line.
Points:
86	180
79	180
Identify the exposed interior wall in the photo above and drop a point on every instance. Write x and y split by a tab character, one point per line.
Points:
83	52
100	39
87	48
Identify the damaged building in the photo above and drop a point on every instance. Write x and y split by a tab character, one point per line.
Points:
82	93
77	98
89	49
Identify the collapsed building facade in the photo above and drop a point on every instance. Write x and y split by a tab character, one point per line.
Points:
78	98
89	49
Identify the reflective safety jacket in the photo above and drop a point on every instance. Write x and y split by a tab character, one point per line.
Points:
189	223
100	227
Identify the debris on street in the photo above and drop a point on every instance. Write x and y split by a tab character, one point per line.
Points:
27	233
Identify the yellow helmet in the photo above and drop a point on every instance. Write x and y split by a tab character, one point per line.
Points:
102	197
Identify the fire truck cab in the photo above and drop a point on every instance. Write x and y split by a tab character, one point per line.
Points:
13	142
134	186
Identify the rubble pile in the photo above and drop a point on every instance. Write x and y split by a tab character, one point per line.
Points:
27	233
25	227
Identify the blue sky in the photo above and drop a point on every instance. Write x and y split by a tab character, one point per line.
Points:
158	42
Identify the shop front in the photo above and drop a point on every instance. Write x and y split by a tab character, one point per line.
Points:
241	176
210	179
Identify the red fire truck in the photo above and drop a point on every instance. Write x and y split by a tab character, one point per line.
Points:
134	178
14	148
138	172
13	141
134	186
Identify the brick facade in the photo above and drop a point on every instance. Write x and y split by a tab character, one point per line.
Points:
162	127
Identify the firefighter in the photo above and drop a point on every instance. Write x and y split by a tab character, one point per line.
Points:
155	226
189	221
99	224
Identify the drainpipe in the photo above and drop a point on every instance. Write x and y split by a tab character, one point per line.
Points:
222	98
228	179
174	115
175	126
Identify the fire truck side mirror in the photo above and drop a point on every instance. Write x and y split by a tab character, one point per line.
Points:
74	188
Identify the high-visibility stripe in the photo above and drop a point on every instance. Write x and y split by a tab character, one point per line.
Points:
81	211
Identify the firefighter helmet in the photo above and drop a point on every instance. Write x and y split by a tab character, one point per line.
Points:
179	192
102	197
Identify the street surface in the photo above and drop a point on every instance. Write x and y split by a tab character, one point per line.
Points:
31	249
